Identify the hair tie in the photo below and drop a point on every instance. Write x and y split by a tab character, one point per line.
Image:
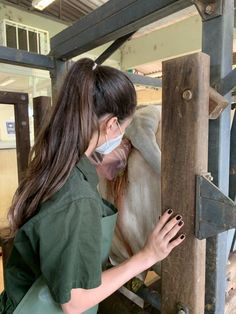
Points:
94	66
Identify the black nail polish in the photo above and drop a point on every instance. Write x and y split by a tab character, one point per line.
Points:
170	211
178	217
182	236
180	223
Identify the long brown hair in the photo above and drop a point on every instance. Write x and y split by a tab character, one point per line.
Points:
86	95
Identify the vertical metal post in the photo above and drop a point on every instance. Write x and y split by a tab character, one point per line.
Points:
232	176
22	136
41	107
57	76
232	171
217	42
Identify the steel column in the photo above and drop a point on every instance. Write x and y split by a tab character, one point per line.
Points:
217	42
227	83
41	107
232	177
20	102
57	75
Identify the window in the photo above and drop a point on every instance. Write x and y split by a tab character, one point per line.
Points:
24	37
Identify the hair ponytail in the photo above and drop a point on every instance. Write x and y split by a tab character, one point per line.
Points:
85	96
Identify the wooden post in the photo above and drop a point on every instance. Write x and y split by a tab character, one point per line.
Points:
41	107
184	155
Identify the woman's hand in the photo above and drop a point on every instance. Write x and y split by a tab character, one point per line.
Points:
159	244
163	239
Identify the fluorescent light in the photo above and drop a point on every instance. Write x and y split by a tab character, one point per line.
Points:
7	82
41	4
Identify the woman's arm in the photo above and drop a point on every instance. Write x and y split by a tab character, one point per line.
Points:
158	246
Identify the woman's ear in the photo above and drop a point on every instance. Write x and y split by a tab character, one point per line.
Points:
110	125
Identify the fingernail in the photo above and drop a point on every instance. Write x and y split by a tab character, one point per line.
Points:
182	236
170	211
180	223
178	217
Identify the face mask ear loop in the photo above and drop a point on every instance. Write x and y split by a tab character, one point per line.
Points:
106	140
119	127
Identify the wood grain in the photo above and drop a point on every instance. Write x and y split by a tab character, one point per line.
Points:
184	155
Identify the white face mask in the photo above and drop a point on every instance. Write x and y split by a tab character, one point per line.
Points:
109	145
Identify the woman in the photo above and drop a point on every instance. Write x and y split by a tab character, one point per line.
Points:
62	229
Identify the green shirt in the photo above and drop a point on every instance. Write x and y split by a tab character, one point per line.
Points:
62	241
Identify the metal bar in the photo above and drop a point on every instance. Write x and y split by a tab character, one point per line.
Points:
22	137
24	58
112	48
20	102
232	176
150	296
227	83
209	9
12	98
57	75
41	106
217	42
113	20
215	212
144	80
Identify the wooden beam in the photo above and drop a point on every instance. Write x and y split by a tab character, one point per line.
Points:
217	103
112	20
184	155
234	57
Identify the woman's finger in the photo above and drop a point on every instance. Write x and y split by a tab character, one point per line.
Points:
176	242
173	232
163	220
170	225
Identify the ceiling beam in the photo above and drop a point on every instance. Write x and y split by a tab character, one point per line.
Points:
24	58
112	20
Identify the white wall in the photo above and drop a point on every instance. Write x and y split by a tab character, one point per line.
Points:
35	20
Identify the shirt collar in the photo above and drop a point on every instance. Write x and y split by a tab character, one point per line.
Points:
89	171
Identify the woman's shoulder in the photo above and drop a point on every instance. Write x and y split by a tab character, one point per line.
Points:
74	196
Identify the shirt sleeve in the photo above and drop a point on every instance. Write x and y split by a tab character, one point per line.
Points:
70	249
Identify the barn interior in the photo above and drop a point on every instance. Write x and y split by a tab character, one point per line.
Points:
144	39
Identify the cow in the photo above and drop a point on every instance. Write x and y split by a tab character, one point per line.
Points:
135	189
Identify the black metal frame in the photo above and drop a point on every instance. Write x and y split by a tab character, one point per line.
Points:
219	31
20	103
118	18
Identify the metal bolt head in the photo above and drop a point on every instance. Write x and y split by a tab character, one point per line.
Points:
187	94
209	9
